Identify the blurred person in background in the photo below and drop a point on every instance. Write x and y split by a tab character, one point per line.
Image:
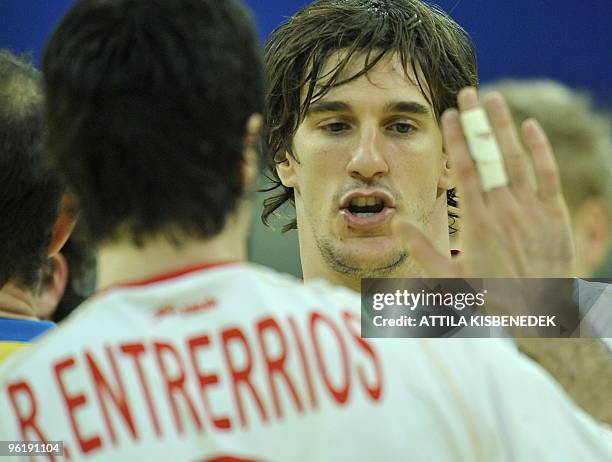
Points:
34	222
581	139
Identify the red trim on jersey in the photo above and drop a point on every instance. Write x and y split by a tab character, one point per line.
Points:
169	275
173	274
228	459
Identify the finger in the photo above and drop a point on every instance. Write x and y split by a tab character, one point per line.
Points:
509	212
467	98
425	254
507	137
462	165
516	232
545	165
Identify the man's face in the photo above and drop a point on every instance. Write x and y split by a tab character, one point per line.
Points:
369	153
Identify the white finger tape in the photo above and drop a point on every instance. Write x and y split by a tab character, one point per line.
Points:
484	148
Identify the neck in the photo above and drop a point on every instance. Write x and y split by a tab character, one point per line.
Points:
335	278
16	302
122	261
321	271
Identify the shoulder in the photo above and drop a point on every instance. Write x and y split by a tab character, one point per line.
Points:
53	341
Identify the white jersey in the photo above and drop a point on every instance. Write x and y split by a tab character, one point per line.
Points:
236	362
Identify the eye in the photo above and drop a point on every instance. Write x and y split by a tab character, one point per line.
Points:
336	127
402	128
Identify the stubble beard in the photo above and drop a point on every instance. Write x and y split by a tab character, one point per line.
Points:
397	265
339	262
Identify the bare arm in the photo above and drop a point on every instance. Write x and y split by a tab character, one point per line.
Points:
582	366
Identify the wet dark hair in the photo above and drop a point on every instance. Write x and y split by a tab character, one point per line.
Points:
428	42
147	103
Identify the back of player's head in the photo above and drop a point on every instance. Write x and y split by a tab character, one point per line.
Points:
147	103
430	45
29	195
579	135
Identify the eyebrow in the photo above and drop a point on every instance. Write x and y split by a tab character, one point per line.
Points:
410	107
328	106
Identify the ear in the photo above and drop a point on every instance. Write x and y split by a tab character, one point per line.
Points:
250	168
447	179
64	224
286	170
53	290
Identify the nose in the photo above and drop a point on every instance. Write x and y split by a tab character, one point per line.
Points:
368	162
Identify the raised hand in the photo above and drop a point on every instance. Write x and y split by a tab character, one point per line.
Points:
518	230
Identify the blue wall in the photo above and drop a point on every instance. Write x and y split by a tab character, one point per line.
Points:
569	40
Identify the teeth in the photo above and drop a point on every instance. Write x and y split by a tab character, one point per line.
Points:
366	201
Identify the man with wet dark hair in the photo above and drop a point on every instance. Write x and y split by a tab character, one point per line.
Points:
332	45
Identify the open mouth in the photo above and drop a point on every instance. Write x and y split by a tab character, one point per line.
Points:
366	206
367	209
